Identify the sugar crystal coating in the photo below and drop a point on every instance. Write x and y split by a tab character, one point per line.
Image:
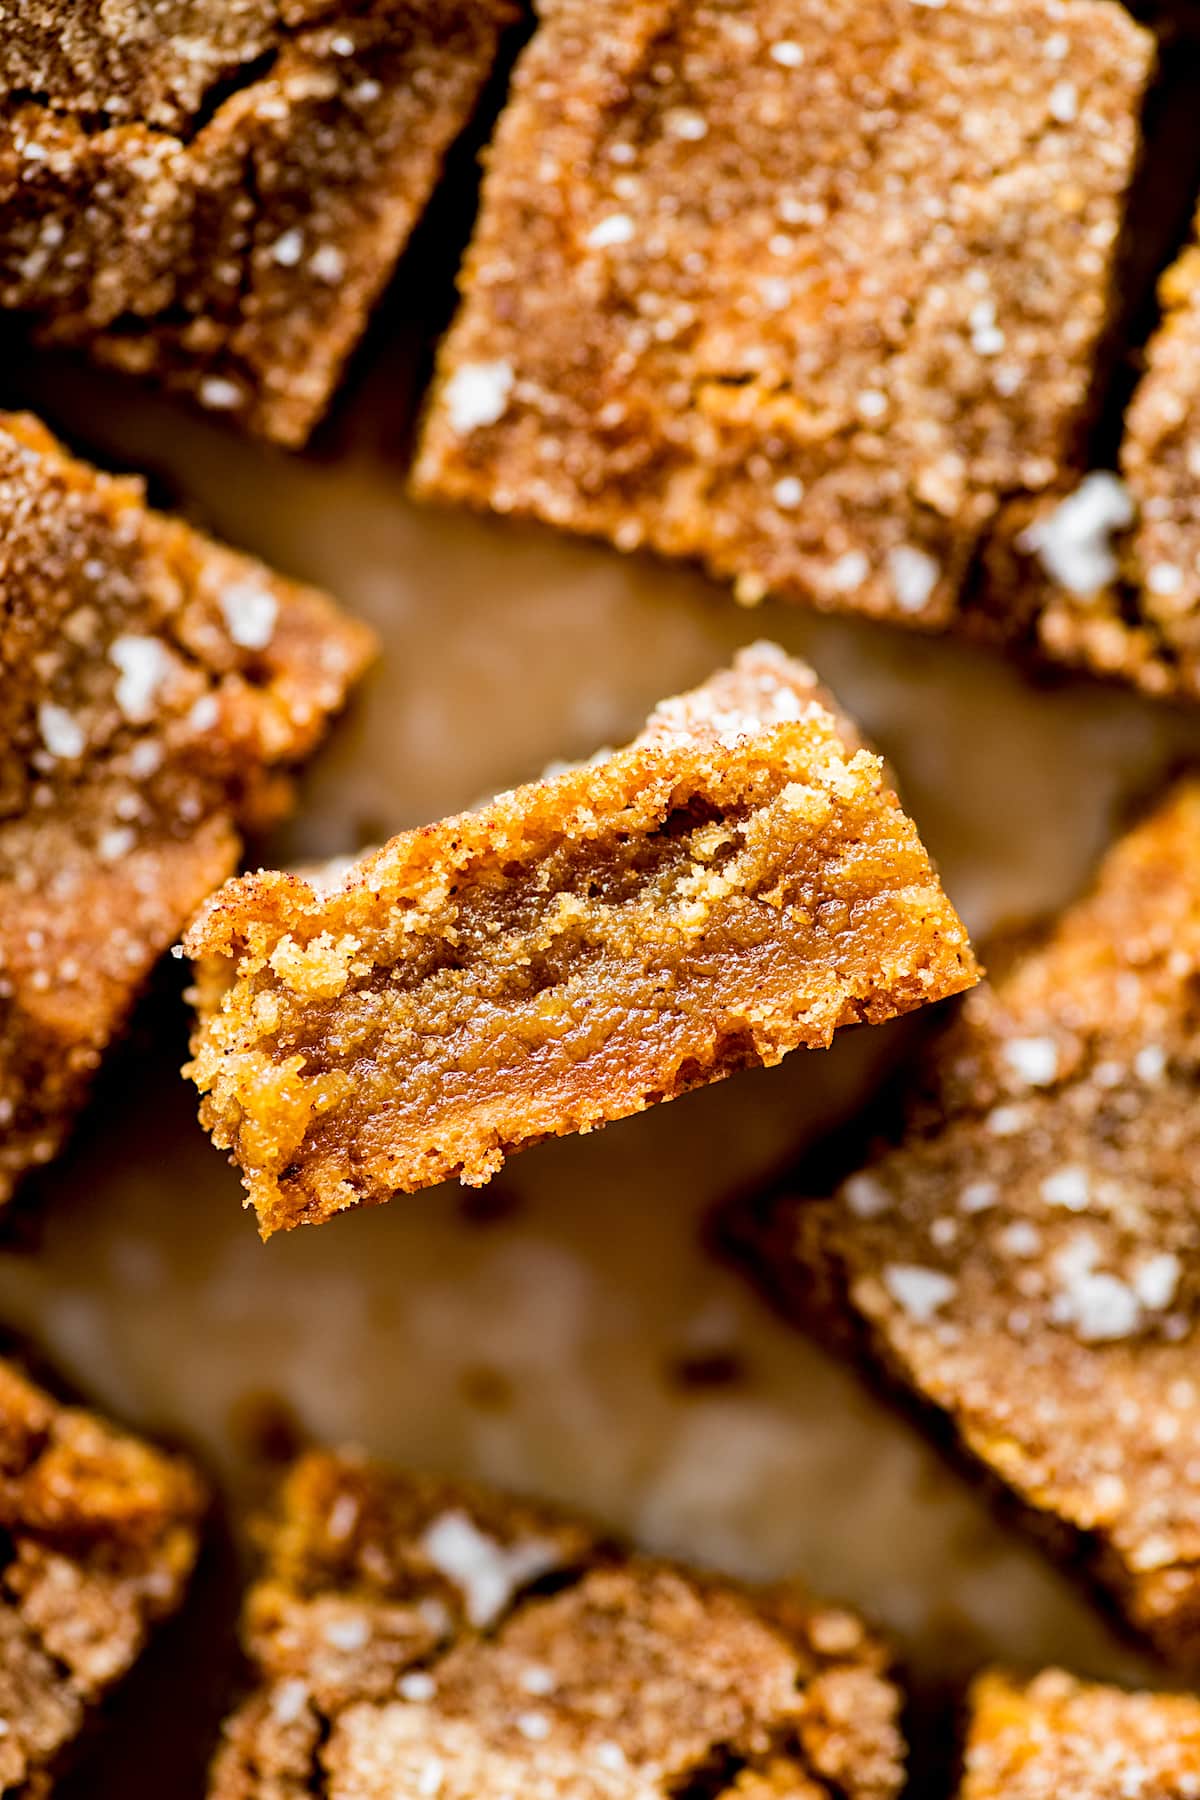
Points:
1054	1328
138	733
627	1679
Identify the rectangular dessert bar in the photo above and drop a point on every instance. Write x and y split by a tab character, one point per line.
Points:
154	687
801	288
214	196
100	1532
737	883
1056	1738
1025	1260
412	1638
1112	571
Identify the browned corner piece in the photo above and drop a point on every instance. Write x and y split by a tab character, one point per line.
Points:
100	1534
1055	1737
1027	1260
805	289
737	883
412	1637
214	196
154	689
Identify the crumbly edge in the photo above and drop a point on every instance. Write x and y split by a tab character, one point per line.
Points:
242	928
102	1532
273	1743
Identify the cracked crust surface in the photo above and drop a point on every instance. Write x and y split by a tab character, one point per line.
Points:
1055	1736
412	1638
215	196
1027	1259
154	689
737	883
817	358
100	1534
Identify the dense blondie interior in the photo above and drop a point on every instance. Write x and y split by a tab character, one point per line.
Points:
409	1637
1058	1736
214	196
1024	1259
154	689
100	1533
737	883
805	291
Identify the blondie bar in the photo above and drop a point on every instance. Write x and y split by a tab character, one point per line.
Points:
1027	1259
802	288
737	883
1058	1737
412	1638
153	688
1115	566
214	196
100	1533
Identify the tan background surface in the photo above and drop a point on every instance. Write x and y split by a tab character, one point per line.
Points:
542	1349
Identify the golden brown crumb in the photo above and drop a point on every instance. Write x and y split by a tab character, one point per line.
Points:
154	688
1026	1259
1057	1737
100	1535
802	290
214	196
413	1637
737	883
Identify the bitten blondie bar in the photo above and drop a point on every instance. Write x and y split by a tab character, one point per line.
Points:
153	687
1115	567
737	883
1056	1738
411	1638
100	1533
1027	1259
214	196
802	288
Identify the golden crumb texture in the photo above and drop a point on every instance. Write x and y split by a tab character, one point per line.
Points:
1054	1737
410	1637
214	196
1024	1259
155	689
100	1534
737	883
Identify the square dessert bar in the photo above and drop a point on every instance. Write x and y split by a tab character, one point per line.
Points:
1027	1259
214	196
801	288
1116	564
99	1532
411	1638
1055	1738
153	689
735	884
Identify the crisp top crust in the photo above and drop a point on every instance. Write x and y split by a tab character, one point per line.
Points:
100	1534
803	290
1026	1258
736	883
215	195
412	1637
154	688
1057	1737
